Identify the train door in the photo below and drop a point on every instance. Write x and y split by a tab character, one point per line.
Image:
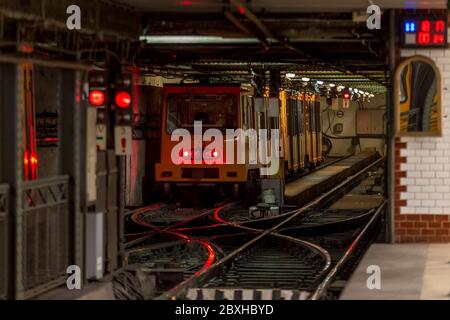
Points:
301	133
307	128
261	105
295	141
284	119
312	115
249	116
319	130
289	133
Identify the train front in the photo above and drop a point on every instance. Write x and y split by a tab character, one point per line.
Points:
190	155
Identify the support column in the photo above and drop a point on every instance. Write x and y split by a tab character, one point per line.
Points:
11	174
390	181
274	182
71	99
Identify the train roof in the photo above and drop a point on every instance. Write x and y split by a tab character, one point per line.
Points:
203	85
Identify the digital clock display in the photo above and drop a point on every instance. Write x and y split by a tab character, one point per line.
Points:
428	32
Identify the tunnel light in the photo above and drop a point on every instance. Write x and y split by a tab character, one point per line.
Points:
332	85
319	82
183	39
290	75
305	79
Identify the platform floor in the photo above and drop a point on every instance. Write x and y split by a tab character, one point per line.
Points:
408	271
311	185
92	291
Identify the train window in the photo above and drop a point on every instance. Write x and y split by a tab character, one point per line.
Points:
243	108
312	123
261	120
418	98
260	109
318	124
288	117
292	118
251	113
273	113
299	106
213	110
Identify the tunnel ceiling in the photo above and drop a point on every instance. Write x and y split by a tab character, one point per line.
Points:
202	36
280	5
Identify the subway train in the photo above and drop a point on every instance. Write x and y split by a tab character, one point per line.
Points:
301	126
183	163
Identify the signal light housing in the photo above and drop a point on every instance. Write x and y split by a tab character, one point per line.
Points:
346	94
97	89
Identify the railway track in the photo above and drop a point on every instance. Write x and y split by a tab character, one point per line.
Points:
298	254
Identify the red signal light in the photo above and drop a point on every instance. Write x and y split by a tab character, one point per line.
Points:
123	99
346	94
97	98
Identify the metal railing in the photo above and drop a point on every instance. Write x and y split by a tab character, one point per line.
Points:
4	243
47	244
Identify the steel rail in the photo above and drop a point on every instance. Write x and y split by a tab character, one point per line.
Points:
182	287
321	289
308	206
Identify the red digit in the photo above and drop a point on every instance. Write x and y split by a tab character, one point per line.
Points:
438	38
423	38
440	26
425	26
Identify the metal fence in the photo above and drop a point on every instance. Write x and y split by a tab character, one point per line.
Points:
47	233
4	243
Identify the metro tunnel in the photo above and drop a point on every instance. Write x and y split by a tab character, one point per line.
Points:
224	150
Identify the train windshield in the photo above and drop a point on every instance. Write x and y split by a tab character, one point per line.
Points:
213	110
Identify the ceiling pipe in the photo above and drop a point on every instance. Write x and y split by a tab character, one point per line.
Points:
268	34
231	17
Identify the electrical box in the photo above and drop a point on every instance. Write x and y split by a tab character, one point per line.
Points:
370	122
334	104
346	103
91	154
94	245
338	128
123	139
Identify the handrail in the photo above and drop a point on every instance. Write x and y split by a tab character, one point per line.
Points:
46	181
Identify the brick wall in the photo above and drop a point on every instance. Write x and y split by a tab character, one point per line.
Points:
422	172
